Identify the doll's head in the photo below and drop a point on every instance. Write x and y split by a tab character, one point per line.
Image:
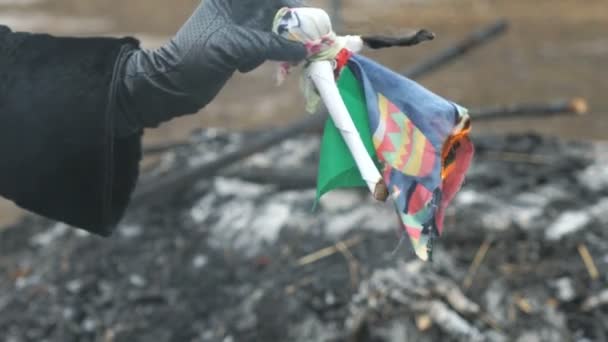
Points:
303	24
312	27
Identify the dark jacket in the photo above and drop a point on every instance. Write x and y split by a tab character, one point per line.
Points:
59	155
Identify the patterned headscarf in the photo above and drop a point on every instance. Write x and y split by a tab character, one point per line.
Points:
312	27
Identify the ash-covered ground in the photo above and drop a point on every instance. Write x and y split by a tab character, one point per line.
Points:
231	260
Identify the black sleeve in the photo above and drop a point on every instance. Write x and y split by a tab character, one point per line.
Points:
59	154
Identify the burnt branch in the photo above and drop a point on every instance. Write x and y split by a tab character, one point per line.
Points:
381	42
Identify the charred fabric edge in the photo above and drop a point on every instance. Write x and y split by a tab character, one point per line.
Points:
148	192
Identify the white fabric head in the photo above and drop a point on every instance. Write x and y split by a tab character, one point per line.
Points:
312	27
303	24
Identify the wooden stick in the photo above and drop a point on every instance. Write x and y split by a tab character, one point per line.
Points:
576	106
160	188
469	43
304	177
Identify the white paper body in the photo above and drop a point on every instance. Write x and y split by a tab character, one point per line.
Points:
322	74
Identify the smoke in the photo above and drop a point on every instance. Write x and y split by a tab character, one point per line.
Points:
259	14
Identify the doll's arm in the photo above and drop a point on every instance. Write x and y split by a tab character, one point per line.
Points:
380	42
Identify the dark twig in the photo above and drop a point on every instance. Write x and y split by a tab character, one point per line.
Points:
575	106
381	42
286	179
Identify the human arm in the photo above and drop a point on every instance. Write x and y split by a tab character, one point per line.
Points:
71	120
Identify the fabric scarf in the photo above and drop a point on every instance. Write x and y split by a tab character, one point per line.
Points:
326	48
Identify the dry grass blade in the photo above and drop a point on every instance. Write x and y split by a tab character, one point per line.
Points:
588	261
353	264
328	251
477	261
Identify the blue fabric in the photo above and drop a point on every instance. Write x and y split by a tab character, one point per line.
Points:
431	113
410	140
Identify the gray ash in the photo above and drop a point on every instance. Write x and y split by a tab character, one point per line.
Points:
221	262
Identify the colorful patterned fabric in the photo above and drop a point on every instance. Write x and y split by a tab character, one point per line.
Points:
399	143
419	139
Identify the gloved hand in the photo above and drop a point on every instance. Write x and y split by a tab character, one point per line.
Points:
185	74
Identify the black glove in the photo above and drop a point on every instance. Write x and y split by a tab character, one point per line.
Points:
184	75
